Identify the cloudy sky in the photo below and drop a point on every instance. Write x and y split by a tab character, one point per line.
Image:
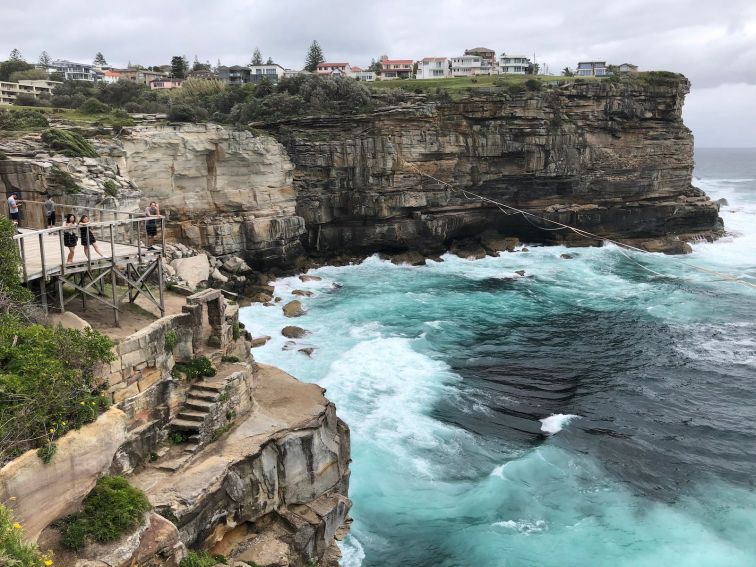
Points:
713	43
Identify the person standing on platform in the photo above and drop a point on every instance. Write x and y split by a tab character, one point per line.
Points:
13	206
151	226
87	237
70	238
49	206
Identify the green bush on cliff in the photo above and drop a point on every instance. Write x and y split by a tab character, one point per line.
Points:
113	508
201	559
68	143
14	552
199	367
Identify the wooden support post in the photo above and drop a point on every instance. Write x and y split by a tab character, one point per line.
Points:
60	295
139	243
160	283
62	253
23	258
114	295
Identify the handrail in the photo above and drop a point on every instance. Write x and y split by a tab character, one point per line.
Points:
100	224
88	208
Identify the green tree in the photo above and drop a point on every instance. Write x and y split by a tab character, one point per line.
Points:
533	69
100	59
7	68
567	72
257	57
314	57
179	67
28	75
269	61
45	59
15	55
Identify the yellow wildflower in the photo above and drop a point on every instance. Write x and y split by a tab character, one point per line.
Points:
47	562
12	497
52	431
81	403
62	422
94	403
17	526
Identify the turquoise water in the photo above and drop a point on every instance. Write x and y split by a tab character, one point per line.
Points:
589	413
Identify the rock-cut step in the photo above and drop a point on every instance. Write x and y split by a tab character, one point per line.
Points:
179	424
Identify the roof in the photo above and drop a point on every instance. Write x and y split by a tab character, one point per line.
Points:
482	49
356	69
592	63
397	62
628	65
113	73
435	58
332	64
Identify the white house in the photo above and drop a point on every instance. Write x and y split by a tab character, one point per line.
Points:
272	72
513	64
360	74
627	68
34	87
344	69
591	69
395	68
73	71
433	68
466	66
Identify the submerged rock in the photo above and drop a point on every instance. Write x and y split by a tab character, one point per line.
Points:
293	332
293	309
302	293
306	278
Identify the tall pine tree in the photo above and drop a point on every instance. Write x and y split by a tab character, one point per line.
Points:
179	67
15	55
314	57
100	59
257	57
44	59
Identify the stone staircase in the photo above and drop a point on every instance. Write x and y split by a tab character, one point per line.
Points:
201	400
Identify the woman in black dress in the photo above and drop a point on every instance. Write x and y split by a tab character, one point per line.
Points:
70	239
87	237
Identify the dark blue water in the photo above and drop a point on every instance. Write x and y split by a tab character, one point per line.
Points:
590	413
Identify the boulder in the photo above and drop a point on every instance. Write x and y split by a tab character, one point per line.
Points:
493	243
566	256
411	258
258	341
307	350
520	272
236	265
293	332
467	249
302	293
193	270
69	320
218	277
293	309
306	278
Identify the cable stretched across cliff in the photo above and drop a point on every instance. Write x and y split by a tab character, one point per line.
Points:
508	210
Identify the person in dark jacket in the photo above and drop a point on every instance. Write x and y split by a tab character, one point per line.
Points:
87	237
70	238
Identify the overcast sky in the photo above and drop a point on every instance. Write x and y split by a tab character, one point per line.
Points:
713	43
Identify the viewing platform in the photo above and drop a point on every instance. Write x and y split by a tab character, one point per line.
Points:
126	262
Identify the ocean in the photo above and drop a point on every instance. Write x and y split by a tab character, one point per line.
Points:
600	410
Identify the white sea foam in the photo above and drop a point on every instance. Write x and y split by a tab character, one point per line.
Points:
523	526
352	552
555	423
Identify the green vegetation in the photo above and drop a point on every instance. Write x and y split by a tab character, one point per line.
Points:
94	106
201	559
110	188
314	57
22	119
177	438
218	433
236	330
68	143
59	179
48	375
196	368
171	340
230	359
14	552
113	508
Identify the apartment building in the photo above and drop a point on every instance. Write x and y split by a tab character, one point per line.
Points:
513	64
433	68
9	91
488	62
466	66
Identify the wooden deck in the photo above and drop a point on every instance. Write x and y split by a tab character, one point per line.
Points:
54	263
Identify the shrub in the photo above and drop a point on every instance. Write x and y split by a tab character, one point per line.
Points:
94	106
113	508
110	187
236	331
201	559
196	368
48	384
14	551
171	340
183	113
68	143
132	106
230	359
12	293
22	119
533	85
59	179
26	99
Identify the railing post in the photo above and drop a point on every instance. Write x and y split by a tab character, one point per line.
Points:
139	243
114	295
62	253
42	280
22	249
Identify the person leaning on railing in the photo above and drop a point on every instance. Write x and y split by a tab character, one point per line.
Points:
153	210
70	238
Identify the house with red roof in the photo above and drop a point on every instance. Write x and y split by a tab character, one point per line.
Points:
433	68
344	69
395	68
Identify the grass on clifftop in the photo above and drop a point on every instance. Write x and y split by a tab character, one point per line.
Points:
113	508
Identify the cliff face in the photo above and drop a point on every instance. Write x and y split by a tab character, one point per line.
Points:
227	191
611	159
